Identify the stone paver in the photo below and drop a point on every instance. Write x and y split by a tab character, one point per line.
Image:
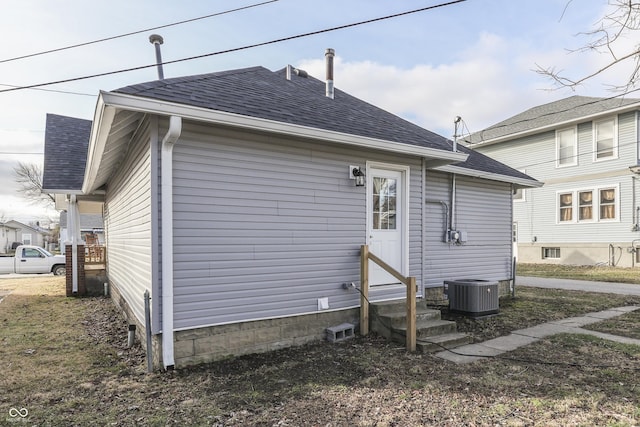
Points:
474	352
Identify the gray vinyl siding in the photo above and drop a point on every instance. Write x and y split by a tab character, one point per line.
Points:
537	215
483	210
263	227
128	225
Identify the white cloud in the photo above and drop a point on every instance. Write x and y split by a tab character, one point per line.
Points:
480	86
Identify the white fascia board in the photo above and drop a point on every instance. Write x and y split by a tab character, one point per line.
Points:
102	121
520	182
153	106
61	191
557	125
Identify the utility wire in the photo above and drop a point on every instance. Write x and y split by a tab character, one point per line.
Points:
251	46
134	32
53	90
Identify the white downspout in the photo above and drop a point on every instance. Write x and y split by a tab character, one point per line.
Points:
166	191
72	225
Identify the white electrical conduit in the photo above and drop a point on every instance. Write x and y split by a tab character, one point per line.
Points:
166	189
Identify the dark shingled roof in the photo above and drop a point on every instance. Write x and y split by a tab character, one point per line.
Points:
66	140
564	110
259	92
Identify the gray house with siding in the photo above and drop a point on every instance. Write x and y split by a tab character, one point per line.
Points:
586	151
239	200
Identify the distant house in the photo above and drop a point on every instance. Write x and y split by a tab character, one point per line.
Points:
586	151
239	200
89	224
8	235
13	233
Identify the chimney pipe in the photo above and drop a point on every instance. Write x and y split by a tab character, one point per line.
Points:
329	54
157	40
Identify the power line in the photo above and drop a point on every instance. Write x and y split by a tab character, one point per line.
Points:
134	32
251	46
53	90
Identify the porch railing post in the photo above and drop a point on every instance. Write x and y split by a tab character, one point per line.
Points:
364	290
411	314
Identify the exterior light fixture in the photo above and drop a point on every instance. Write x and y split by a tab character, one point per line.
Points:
358	175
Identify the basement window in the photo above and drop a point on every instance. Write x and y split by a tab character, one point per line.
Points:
550	253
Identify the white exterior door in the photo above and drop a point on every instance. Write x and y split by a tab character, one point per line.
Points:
387	222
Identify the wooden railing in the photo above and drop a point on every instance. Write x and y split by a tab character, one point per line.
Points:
94	254
409	282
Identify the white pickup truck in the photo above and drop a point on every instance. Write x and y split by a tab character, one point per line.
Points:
32	259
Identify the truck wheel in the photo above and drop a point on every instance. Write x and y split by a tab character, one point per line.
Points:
59	270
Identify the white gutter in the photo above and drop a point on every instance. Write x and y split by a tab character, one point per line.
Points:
187	112
166	190
489	175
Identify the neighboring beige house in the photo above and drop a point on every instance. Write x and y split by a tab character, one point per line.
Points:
8	235
14	232
586	152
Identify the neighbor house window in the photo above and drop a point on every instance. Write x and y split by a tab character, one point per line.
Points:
608	203
566	207
605	145
585	200
566	147
550	253
592	205
26	239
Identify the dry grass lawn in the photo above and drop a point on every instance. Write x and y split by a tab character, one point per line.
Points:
65	361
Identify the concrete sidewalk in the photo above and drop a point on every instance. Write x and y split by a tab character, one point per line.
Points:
578	285
573	325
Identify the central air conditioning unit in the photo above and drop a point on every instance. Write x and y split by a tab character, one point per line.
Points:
472	296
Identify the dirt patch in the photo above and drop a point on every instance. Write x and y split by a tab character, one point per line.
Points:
81	373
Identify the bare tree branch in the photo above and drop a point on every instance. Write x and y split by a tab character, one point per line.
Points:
29	179
612	29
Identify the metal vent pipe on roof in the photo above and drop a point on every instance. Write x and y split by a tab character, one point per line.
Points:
329	54
157	40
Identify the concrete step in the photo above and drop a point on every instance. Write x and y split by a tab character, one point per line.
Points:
440	342
426	330
395	307
389	319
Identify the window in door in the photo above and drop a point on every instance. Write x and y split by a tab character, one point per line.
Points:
384	203
31	253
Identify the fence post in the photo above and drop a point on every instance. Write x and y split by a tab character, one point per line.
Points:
364	290
411	314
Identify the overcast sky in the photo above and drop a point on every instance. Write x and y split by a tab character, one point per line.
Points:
473	59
